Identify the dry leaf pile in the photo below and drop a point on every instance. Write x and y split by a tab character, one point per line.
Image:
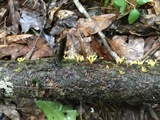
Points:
23	22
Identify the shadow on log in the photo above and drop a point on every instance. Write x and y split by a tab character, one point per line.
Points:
45	79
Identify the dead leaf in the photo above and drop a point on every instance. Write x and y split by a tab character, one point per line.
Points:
90	27
78	45
42	52
21	48
14	38
154	46
100	50
149	42
133	50
14	50
31	20
64	14
72	44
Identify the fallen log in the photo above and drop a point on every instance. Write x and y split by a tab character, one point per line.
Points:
46	79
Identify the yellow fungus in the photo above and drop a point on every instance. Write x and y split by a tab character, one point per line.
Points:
143	69
133	62
18	70
79	58
119	60
121	72
91	58
21	59
151	62
140	62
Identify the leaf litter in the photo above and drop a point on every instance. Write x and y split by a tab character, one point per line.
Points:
20	25
24	20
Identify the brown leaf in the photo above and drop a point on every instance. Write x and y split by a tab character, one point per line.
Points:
43	51
14	50
76	45
100	50
72	44
14	38
149	42
22	47
133	50
98	23
154	46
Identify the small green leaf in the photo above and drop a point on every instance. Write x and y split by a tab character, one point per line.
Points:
115	6
56	111
133	16
119	2
141	2
122	9
106	3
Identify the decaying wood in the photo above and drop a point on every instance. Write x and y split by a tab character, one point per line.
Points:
79	81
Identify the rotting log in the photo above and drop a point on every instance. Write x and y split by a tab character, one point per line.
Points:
45	79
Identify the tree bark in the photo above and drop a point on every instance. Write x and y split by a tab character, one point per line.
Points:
79	81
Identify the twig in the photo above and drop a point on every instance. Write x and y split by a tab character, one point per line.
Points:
29	55
101	35
130	3
151	52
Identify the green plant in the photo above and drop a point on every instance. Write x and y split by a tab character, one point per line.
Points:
106	3
121	4
133	16
141	2
56	111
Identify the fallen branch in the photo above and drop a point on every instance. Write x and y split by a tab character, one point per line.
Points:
81	81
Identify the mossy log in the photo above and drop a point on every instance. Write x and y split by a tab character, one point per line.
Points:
45	79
